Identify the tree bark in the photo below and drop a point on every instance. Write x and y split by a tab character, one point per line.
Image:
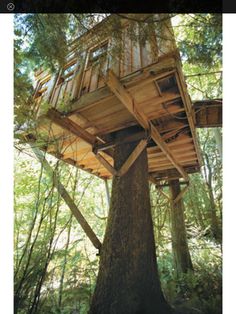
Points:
215	228
128	280
180	249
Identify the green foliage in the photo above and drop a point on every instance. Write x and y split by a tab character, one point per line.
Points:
202	42
42	224
55	264
199	39
201	289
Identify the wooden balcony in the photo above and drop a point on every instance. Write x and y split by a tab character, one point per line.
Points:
95	95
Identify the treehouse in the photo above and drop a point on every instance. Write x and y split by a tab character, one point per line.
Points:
112	81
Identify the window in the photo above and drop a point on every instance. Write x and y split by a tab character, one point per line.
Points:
43	87
97	53
68	72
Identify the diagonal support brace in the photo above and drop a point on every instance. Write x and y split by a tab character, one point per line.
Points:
127	100
127	164
105	163
181	194
132	157
68	200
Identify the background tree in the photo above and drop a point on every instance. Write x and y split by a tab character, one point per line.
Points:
55	266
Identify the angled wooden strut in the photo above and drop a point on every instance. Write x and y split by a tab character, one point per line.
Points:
119	90
69	125
132	157
127	164
181	194
69	201
105	163
178	197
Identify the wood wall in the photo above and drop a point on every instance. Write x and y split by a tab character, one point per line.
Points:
86	73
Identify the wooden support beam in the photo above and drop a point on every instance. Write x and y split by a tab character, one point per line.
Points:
132	157
163	193
68	200
188	107
211	107
152	179
164	147
181	194
127	164
105	163
122	94
69	125
167	184
139	135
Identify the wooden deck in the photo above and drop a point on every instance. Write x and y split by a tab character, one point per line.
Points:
153	98
208	113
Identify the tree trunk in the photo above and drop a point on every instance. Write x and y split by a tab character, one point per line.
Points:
107	193
215	228
181	253
218	138
128	280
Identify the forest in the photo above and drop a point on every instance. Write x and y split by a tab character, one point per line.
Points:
56	266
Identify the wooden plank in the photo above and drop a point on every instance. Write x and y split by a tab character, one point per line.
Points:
181	194
86	81
164	147
105	163
214	111
171	173
188	106
132	157
136	80
179	156
158	100
163	193
68	200
118	89
69	125
94	78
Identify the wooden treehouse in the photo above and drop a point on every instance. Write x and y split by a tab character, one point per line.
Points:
114	83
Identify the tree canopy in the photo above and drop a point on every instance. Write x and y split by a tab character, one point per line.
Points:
55	265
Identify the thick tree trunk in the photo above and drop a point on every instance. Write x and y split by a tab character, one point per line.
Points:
215	228
128	280
181	253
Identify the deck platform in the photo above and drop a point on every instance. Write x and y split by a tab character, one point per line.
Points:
153	99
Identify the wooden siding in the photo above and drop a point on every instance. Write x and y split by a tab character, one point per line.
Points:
147	92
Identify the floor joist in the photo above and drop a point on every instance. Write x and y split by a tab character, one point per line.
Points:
69	125
119	90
